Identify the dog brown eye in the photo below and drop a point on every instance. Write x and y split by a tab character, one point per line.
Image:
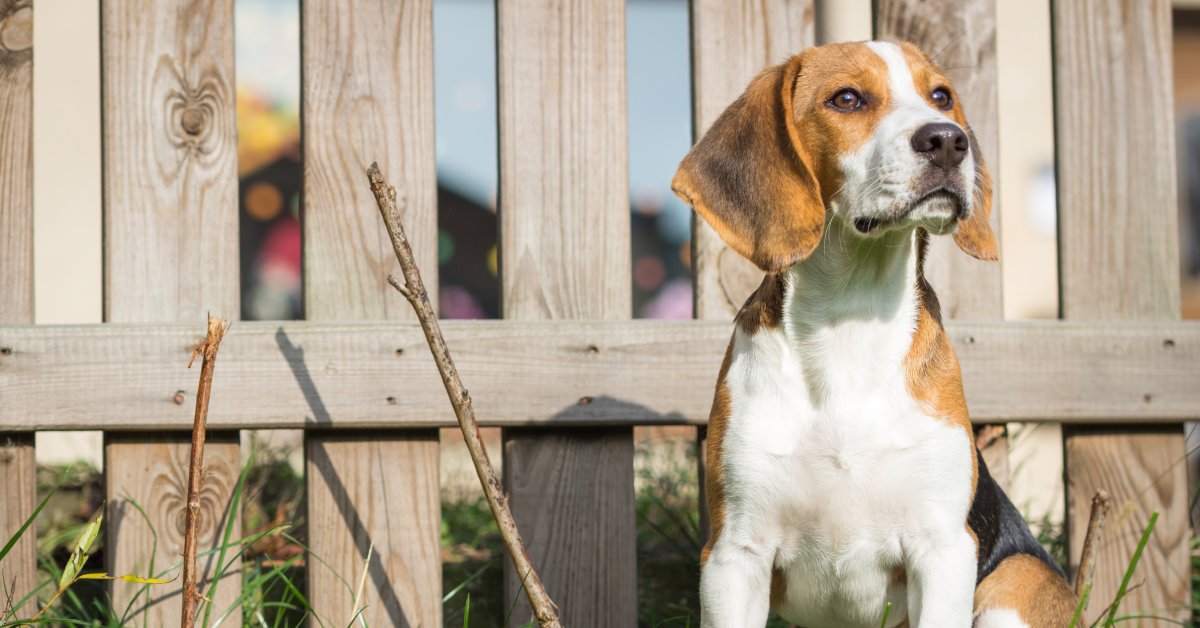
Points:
941	98
846	100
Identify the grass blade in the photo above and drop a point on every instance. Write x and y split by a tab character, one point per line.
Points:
36	511
887	610
234	504
1133	562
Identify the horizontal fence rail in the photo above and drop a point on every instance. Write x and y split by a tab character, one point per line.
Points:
360	375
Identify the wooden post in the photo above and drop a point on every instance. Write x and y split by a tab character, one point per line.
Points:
18	573
368	94
565	253
731	43
961	36
1119	259
171	255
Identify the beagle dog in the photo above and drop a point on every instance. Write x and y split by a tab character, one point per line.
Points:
843	474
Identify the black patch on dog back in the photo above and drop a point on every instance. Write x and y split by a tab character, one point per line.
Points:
999	528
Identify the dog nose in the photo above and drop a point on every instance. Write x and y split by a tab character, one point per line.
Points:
943	143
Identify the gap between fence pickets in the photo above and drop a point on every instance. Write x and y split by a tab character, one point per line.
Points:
207	351
413	289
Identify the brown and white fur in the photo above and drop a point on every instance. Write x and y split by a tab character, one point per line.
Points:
843	474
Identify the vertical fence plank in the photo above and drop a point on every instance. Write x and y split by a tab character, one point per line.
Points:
731	43
17	489
1120	259
962	37
368	95
171	254
565	253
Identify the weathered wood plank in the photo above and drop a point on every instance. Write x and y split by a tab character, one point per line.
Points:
375	492
731	43
543	373
568	486
18	489
16	168
1119	258
18	574
962	38
150	471
368	96
170	154
170	253
565	254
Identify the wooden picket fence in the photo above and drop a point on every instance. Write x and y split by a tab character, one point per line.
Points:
566	372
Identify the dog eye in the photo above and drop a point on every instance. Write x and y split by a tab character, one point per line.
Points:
941	98
846	100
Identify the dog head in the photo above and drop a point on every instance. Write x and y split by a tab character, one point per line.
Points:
870	134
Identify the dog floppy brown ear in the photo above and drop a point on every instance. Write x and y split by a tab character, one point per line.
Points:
750	178
974	235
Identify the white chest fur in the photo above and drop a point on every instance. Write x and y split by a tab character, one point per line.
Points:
831	468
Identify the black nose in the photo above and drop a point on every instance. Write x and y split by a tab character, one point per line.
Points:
944	143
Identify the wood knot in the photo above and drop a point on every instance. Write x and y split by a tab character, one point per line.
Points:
192	120
16	30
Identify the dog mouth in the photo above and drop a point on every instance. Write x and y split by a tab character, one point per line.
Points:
866	225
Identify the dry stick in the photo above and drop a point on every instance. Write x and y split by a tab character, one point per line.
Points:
413	289
1091	542
207	350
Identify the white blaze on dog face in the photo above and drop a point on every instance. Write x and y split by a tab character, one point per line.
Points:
916	169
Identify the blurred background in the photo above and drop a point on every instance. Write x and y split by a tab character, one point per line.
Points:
67	147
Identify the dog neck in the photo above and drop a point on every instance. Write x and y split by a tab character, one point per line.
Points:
850	310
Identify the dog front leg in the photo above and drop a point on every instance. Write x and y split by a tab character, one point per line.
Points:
942	586
735	585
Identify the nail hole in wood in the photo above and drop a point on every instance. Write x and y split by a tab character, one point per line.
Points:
1147	398
593	349
1168	344
391	401
399	352
5	351
179	397
583	401
970	340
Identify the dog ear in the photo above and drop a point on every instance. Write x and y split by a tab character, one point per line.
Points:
750	178
974	235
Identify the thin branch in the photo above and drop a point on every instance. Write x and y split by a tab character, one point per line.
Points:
1091	542
413	289
207	351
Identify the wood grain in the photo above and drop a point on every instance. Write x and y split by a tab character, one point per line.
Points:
1143	467
18	489
150	471
1119	258
170	254
376	491
732	41
564	180
16	168
341	376
18	573
569	486
368	96
170	154
565	254
962	38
